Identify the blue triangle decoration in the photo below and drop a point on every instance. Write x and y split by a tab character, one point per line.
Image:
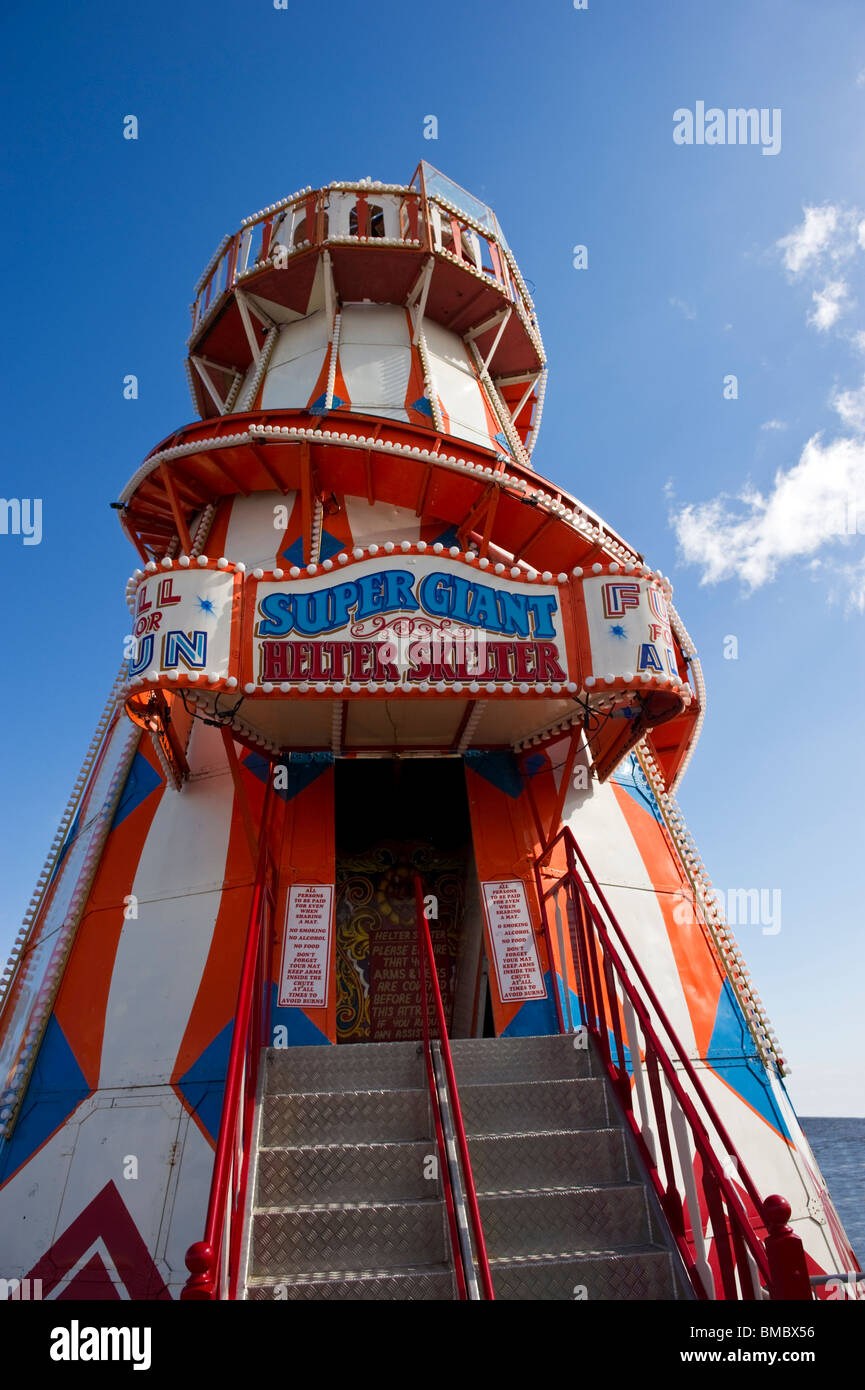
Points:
203	1085
422	404
141	781
301	770
536	1018
631	778
300	1031
56	1087
319	406
502	439
498	768
294	552
329	546
448	537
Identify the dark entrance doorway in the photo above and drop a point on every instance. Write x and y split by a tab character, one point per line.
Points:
394	818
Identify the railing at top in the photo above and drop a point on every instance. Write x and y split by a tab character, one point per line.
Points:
214	1262
451	1139
676	1128
349	214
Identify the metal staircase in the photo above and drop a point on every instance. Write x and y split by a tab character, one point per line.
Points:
348	1202
566	1212
342	1208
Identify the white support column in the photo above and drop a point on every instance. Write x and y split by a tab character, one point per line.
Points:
243	306
539	410
255	379
515	413
501	410
243	251
502	326
330	300
201	366
436	220
488	323
429	379
420	288
331	370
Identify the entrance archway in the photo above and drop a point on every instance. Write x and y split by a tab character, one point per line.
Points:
395	818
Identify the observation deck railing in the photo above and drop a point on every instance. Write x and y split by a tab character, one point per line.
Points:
353	214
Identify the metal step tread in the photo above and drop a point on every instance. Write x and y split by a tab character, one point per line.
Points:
507	1136
363	1091
574	1188
566	1189
560	1132
301	1208
302	1119
548	1042
407	1284
528	1084
313	1070
347	1236
345	1171
569	1256
374	1146
628	1273
520	1107
492	1060
347	1276
558	1222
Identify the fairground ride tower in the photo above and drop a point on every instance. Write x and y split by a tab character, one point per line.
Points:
372	957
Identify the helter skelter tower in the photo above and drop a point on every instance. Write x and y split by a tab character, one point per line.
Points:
379	660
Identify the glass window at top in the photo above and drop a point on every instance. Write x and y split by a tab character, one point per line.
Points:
438	186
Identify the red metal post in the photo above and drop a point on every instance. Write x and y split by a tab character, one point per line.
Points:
437	1122
785	1252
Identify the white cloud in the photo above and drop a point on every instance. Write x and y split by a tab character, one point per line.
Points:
814	511
854	577
850	405
828	238
686	309
808	507
812	238
832	301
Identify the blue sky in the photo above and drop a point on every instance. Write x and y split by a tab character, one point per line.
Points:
563	121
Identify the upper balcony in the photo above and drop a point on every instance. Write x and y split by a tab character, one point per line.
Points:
428	245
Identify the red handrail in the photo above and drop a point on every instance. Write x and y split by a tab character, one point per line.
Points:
599	968
212	1266
436	1111
426	956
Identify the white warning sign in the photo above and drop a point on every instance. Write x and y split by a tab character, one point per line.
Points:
512	936
305	969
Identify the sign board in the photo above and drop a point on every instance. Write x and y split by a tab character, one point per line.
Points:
182	623
629	627
410	620
512	939
305	969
